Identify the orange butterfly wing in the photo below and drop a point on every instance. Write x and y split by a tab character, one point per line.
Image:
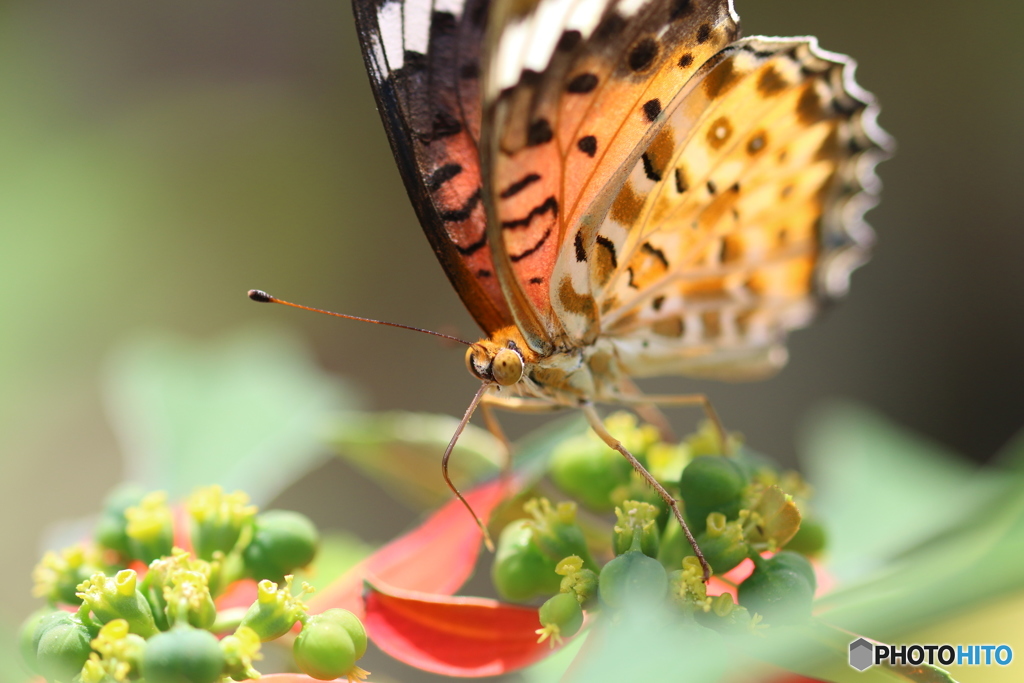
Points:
571	89
422	58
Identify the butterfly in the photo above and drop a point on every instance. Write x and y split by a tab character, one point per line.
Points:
623	188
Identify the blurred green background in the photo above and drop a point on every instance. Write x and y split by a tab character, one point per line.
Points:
158	159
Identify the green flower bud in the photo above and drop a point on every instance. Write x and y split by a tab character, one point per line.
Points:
283	542
112	528
560	617
26	638
183	655
241	649
555	531
521	571
325	650
276	610
722	543
351	624
188	598
62	649
117	654
709	484
797	563
118	597
45	622
632	577
150	528
218	520
57	575
687	589
578	580
586	469
634	517
810	539
781	594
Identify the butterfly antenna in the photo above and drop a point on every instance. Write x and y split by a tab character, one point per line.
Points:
264	298
448	452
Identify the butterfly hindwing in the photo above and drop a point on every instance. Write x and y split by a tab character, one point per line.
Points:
423	60
742	214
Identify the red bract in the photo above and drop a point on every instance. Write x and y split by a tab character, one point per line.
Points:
436	557
458	636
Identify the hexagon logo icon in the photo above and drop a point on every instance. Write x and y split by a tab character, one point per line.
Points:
862	654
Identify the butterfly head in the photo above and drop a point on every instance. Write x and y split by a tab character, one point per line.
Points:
493	361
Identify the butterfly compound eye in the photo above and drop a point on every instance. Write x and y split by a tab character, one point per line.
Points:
507	367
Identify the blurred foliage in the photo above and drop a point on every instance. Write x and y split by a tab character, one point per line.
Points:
246	411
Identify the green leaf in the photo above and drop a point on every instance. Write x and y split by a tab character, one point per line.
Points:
880	490
246	411
973	563
820	650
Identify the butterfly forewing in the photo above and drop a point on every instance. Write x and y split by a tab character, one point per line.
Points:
572	88
423	60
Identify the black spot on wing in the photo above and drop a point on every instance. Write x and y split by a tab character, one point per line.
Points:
587	145
582	84
657	302
703	34
685	61
539	133
649	169
681	184
581	253
483	272
651	109
515	258
655	252
536	280
712	188
568	41
443	23
548	205
518	186
642	55
442	175
413	62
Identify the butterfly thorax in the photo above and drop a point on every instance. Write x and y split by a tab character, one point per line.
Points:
566	376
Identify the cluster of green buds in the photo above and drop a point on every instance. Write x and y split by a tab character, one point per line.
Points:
131	606
739	505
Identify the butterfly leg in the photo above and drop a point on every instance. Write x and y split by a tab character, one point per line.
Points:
595	423
481	393
682	400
